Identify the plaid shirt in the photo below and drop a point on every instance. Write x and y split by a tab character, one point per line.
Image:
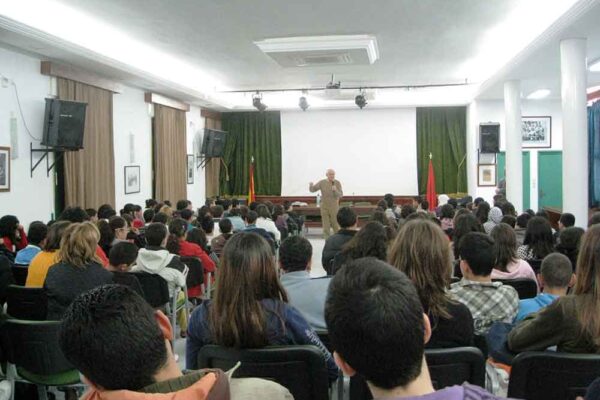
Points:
488	302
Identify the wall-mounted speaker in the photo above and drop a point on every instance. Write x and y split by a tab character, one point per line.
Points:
489	137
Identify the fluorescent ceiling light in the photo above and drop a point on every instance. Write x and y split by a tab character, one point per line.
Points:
594	66
539	94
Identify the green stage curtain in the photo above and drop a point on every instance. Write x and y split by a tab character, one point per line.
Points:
442	131
251	134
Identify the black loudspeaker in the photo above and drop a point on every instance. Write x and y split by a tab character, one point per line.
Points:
489	138
64	123
213	143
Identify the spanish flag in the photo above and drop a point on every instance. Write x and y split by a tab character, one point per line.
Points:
431	196
251	195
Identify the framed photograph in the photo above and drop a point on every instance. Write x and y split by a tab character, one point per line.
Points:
132	179
537	132
486	175
4	169
190	169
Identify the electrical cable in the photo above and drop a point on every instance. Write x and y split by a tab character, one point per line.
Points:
21	111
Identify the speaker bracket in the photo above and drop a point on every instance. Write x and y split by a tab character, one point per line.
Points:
45	155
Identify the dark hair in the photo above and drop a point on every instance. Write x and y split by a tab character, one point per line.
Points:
150	203
370	241
74	214
543	214
464	224
110	334
477	249
207	224
177	230
161	218
477	201
567	219
530	212
203	211
117	222
508	208
37	232
382	205
183	204
235	212
186	214
55	233
295	253
235	203
226	203
123	253
263	211
198	237
569	238
148	215
424	205
91	212
155	233
505	246
538	237
406	210
483	211
447	211
107	235
389	200
217	211
346	217
105	211
167	203
523	219
453	202
225	225
509	220
251	217
374	318
252	206
129	208
556	270
594	219
287	204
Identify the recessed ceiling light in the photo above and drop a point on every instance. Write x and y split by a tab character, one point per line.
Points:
539	94
594	65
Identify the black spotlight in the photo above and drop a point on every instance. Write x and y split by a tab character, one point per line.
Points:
303	103
360	100
257	102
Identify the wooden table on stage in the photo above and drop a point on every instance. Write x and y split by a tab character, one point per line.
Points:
313	214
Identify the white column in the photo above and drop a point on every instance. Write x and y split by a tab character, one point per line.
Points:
514	155
573	71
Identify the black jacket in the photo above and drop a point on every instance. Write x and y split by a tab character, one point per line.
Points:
334	245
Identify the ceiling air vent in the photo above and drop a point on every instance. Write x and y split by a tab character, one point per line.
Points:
323	59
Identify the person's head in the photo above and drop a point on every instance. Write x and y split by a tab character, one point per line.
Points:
478	201
248	270
129	208
178	228
9	225
37	232
523	220
207	224
251	217
198	237
346	218
498	199
416	201
74	214
209	202
202	211
382	204
389	200
476	252
161	218
186	214
287	205
505	246
406	210
295	254
148	215
252	206
483	211
464	224
538	236
594	219
116	339
122	255
379	216
447	211
375	319
263	211
421	251
509	220
543	214
167	210
330	174
370	241
235	203
92	214
183	204
508	209
55	233
151	203
78	244
556	272
236	212
277	211
566	221
424	205
156	234
105	211
226	203
119	227
588	283
569	239
225	226
217	211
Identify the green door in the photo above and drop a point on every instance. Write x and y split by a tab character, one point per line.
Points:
501	163
550	179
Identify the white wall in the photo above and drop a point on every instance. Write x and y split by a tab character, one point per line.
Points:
197	190
373	151
29	198
483	111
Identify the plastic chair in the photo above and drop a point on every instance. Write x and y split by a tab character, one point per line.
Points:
34	356
26	303
195	275
20	274
156	289
547	375
526	288
300	369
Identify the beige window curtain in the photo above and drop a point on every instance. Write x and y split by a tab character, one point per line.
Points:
213	166
170	155
90	173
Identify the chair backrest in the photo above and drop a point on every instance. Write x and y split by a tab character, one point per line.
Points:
301	369
195	276
548	375
156	289
26	303
33	346
526	288
447	367
20	274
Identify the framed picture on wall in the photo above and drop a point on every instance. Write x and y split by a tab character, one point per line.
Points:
486	175
536	132
4	169
132	179
190	169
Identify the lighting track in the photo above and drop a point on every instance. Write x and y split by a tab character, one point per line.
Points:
408	87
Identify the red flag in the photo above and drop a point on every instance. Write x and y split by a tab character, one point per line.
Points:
251	195
431	195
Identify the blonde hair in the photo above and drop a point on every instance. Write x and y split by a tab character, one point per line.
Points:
588	283
167	210
78	245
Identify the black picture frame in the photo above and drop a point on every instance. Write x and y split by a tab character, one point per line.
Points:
543	124
132	179
5	169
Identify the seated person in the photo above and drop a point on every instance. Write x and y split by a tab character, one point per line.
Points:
12	234
488	301
572	322
521	227
41	263
37	238
304	293
370	241
508	265
251	218
6	279
265	222
217	243
296	220
92	214
187	215
235	216
421	250
120	259
566	220
258	315
348	221
78	269
568	243
375	319
556	277
121	347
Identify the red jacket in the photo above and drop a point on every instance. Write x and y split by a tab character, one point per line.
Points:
188	249
21	244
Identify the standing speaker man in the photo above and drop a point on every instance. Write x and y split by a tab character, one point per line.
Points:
331	192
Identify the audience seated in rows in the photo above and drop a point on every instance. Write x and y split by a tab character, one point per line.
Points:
36	236
348	222
304	293
375	319
370	241
217	243
422	252
508	265
121	257
258	314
